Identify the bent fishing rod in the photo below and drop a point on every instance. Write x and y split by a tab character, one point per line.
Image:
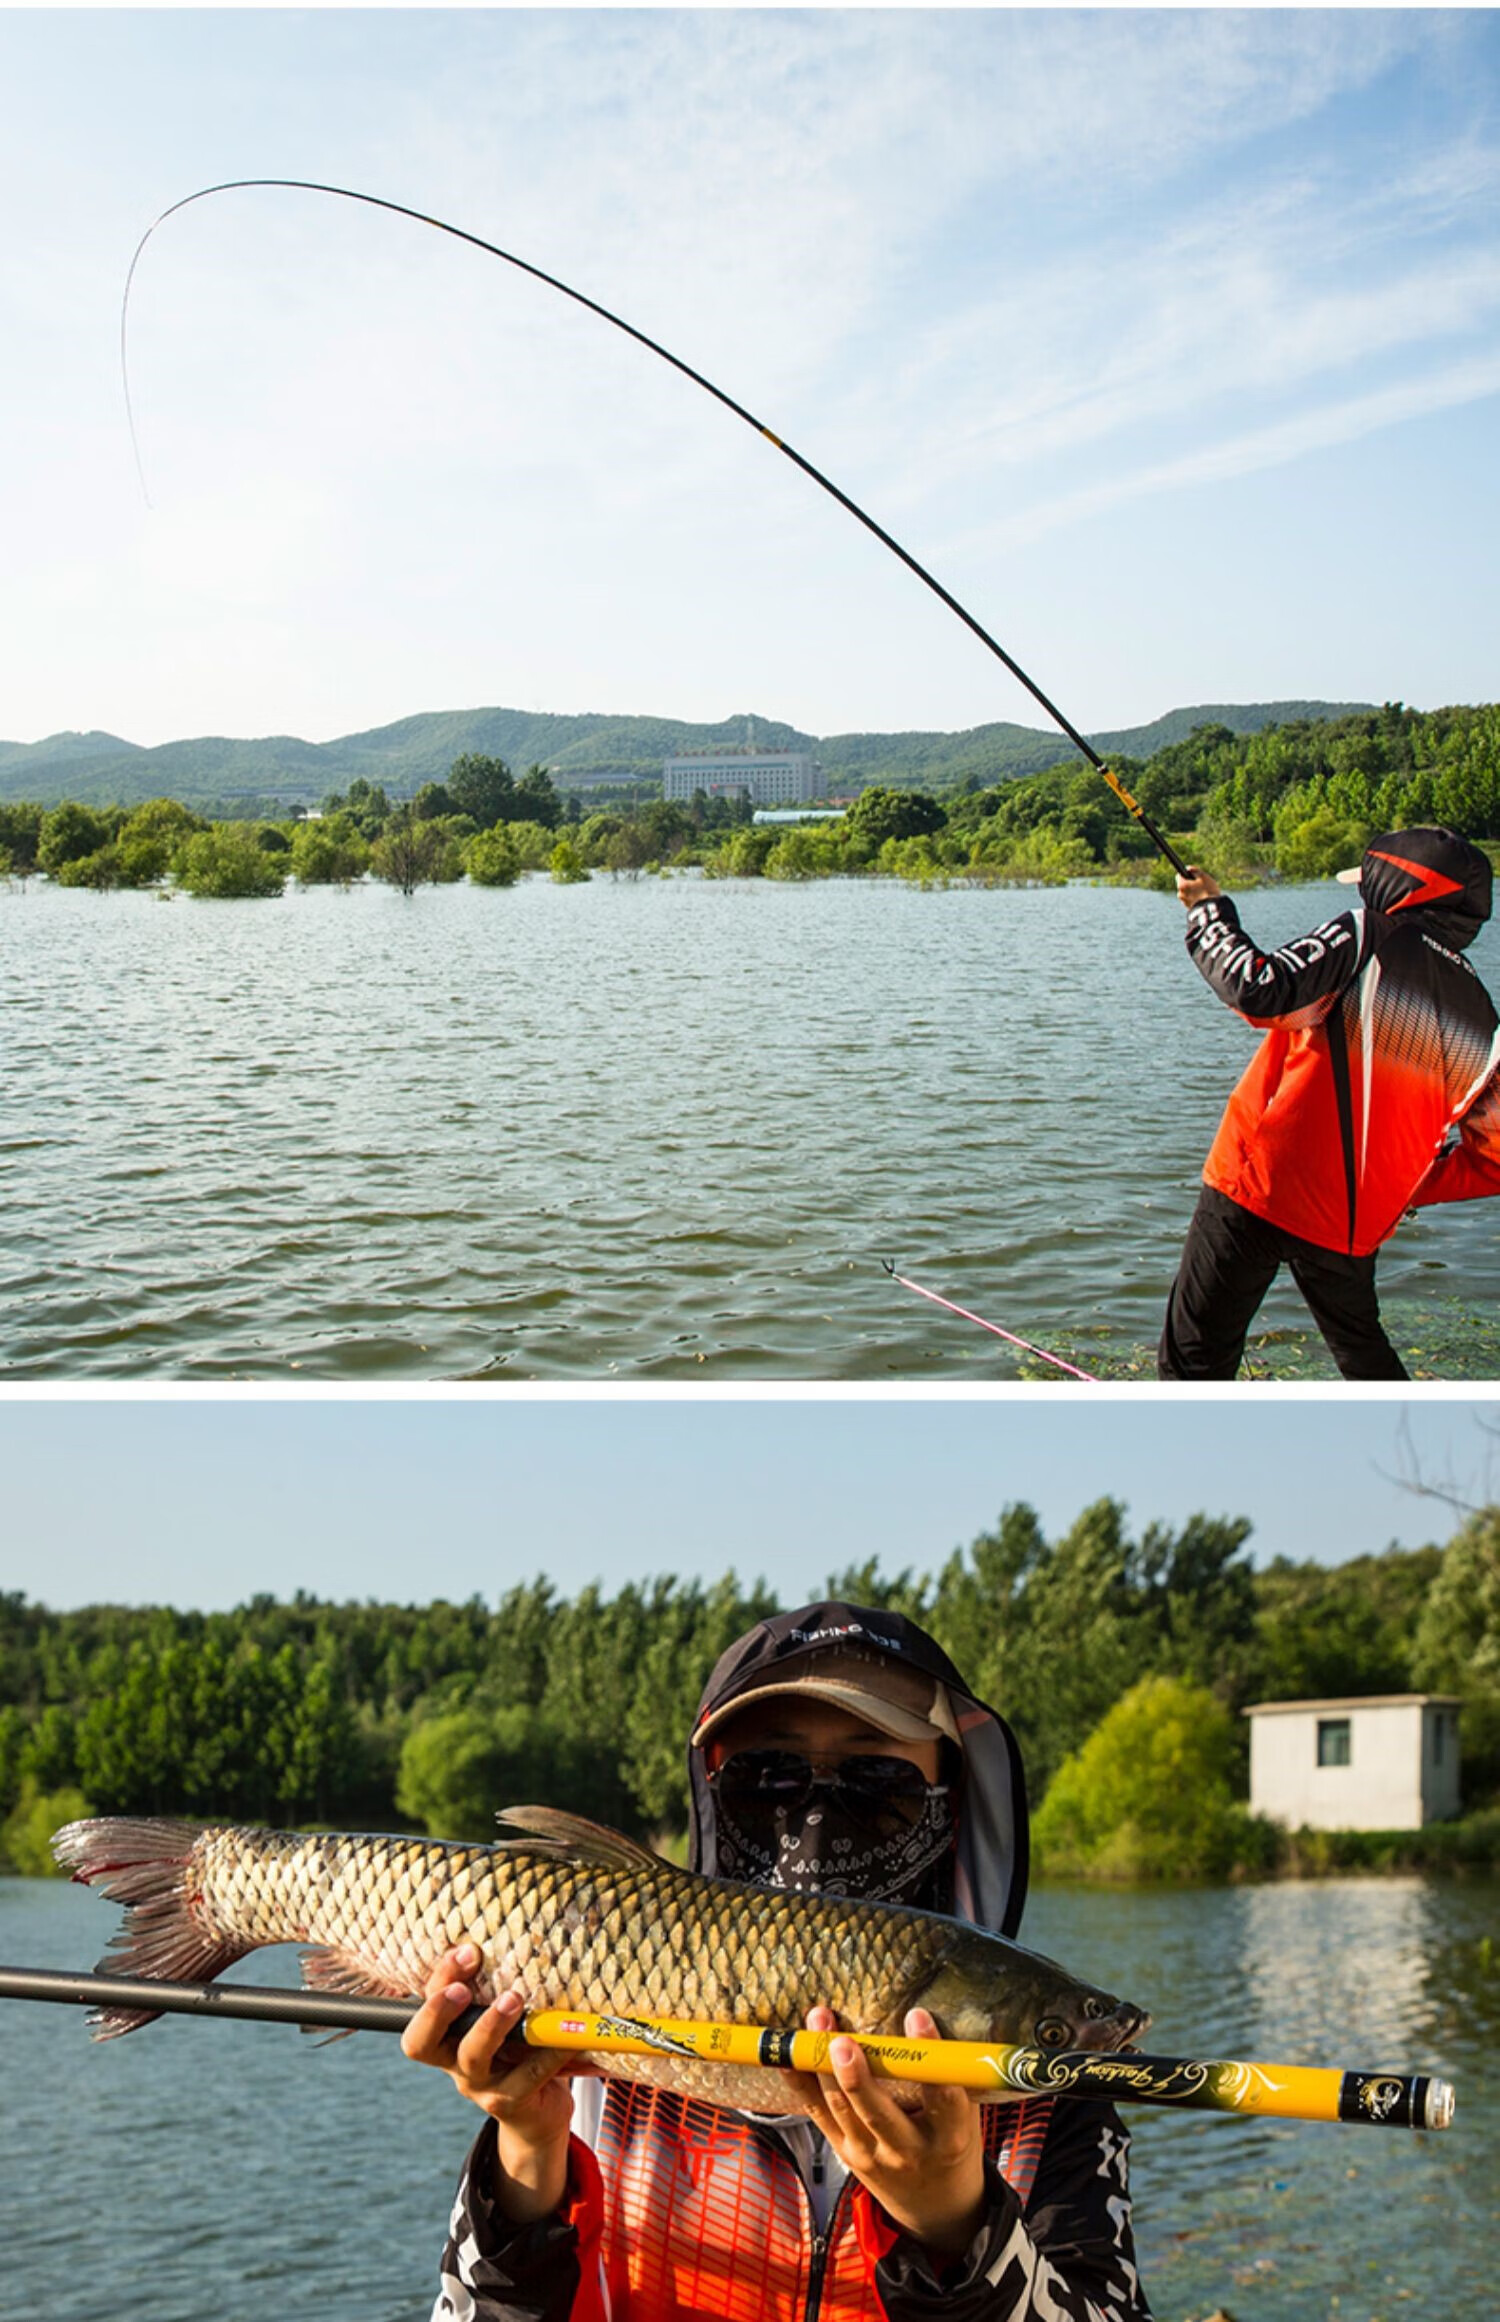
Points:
524	266
998	2070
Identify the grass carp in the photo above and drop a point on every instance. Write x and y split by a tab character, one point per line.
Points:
573	1915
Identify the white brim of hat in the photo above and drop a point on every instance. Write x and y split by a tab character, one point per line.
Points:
1350	878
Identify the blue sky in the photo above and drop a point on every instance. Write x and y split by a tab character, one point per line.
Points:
1171	341
206	1502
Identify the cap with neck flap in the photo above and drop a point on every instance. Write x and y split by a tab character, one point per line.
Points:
886	1669
1432	870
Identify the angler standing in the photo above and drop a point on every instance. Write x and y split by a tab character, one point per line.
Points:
1376	1087
836	1751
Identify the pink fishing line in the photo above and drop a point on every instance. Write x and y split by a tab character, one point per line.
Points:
1039	1351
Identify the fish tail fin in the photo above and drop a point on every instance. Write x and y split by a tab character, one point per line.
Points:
149	1867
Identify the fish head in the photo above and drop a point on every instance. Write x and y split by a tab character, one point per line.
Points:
986	1988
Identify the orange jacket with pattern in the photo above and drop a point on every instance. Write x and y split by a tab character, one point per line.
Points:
1381	1048
686	2213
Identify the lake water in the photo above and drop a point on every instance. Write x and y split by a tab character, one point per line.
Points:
651	1129
245	2172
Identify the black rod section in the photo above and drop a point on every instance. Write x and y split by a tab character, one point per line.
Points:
260	2003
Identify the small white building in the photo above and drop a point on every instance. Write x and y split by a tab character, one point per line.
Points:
1386	1761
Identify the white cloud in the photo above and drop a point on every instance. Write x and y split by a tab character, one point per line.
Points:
1305	300
1328	426
991	269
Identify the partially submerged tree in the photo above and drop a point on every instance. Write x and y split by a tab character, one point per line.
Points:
410	853
491	859
330	852
227	862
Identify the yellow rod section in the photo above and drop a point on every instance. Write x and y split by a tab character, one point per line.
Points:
993	2069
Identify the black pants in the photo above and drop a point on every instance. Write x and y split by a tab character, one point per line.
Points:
1229	1262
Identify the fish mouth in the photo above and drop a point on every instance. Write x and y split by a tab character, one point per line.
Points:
1112	2033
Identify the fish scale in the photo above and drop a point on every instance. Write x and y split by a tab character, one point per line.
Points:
576	1917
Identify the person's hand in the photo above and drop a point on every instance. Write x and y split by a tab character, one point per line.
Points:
1196	887
918	2150
522	2089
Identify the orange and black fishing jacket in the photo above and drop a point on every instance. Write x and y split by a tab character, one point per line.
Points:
683	2212
1377	1085
679	2211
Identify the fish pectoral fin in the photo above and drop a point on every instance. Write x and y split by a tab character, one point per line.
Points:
572	1835
895	2005
332	1970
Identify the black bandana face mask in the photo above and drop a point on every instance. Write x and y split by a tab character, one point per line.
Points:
872	1828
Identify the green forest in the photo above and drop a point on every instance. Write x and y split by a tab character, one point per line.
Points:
1297	800
1121	1659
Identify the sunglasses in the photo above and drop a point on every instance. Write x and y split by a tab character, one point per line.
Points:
883	1794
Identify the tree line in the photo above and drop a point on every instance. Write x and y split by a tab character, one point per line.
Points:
1298	800
433	1716
481	824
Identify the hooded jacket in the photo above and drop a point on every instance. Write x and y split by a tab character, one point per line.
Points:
1376	1086
678	2211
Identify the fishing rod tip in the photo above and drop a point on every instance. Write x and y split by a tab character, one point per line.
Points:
889	1266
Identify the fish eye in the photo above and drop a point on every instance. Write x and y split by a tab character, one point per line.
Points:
1052	2032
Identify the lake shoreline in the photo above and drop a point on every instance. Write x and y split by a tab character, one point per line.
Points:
1463	1852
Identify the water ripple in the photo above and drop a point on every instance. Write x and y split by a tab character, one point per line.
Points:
544	1133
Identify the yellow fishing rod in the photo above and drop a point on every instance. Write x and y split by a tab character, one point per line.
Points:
552	281
992	2069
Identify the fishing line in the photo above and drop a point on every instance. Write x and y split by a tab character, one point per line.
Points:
524	266
1039	1351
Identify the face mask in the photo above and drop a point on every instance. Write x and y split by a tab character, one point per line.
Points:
872	1827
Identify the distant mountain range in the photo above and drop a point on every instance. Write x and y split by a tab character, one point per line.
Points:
579	752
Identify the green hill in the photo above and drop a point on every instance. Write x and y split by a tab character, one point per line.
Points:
580	752
64	750
1240	717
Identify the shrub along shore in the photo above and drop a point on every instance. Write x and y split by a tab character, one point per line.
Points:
1123	1662
1296	801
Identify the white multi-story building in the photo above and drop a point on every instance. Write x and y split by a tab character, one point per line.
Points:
767	777
1381	1762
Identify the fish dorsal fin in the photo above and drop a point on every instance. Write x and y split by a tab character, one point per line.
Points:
574	1837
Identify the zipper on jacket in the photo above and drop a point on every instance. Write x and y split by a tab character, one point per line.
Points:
820	2239
822	2244
815	2276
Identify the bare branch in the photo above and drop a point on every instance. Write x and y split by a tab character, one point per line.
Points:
1447	1489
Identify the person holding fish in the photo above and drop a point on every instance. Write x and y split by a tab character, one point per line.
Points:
1376	1087
836	1753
